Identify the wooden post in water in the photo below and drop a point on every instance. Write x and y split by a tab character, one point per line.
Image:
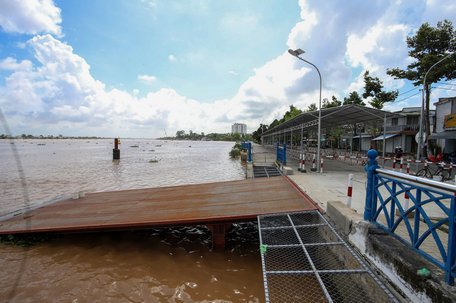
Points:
218	234
116	150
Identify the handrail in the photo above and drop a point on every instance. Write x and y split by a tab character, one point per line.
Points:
419	180
391	197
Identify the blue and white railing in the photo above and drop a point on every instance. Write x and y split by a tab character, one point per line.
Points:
417	211
281	154
247	145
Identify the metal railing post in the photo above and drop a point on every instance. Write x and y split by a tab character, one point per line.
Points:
277	151
372	165
450	262
284	154
249	151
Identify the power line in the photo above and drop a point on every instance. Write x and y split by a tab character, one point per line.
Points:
447	82
445	85
444	88
408	97
408	91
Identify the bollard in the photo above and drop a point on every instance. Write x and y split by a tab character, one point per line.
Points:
303	169
321	165
394	163
408	167
116	150
350	190
401	165
302	165
407	200
314	165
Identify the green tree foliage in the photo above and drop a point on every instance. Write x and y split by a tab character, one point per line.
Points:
333	134
354	98
312	107
427	47
373	88
180	134
256	135
274	123
333	103
291	113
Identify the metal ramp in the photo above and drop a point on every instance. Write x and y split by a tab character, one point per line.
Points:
305	260
265	171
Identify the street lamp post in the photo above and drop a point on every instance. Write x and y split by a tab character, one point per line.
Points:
296	53
423	97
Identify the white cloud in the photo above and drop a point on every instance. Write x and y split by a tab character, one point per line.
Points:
11	64
59	91
147	78
232	72
381	45
30	17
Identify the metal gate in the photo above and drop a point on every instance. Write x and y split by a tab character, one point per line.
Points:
305	260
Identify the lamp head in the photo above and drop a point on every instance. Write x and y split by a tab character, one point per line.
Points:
296	52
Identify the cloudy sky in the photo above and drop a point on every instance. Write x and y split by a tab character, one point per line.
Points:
139	68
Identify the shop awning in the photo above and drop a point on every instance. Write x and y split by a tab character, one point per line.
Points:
449	134
387	136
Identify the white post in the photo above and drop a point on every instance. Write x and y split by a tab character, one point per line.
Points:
303	169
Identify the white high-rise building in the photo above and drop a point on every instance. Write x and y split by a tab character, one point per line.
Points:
239	128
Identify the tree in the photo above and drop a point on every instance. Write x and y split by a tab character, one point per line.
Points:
274	123
334	102
427	47
180	134
290	114
333	134
257	134
354	98
312	107
373	88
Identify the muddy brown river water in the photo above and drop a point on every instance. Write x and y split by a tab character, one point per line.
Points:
158	265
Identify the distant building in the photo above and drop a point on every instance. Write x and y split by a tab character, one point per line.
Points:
239	128
445	130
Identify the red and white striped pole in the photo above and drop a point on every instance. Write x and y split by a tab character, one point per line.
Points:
321	165
402	165
300	162
314	165
303	168
407	200
408	167
350	190
394	163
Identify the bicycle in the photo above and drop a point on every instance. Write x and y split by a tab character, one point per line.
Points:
442	171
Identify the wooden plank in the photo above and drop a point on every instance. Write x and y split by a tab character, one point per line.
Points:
177	205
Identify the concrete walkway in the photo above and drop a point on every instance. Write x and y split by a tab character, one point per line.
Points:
331	185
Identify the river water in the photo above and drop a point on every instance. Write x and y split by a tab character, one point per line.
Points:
158	265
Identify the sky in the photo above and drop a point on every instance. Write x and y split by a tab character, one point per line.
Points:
146	68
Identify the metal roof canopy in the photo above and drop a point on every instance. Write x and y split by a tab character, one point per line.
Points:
387	136
341	115
444	135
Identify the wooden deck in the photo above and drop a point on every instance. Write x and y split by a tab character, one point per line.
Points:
212	203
